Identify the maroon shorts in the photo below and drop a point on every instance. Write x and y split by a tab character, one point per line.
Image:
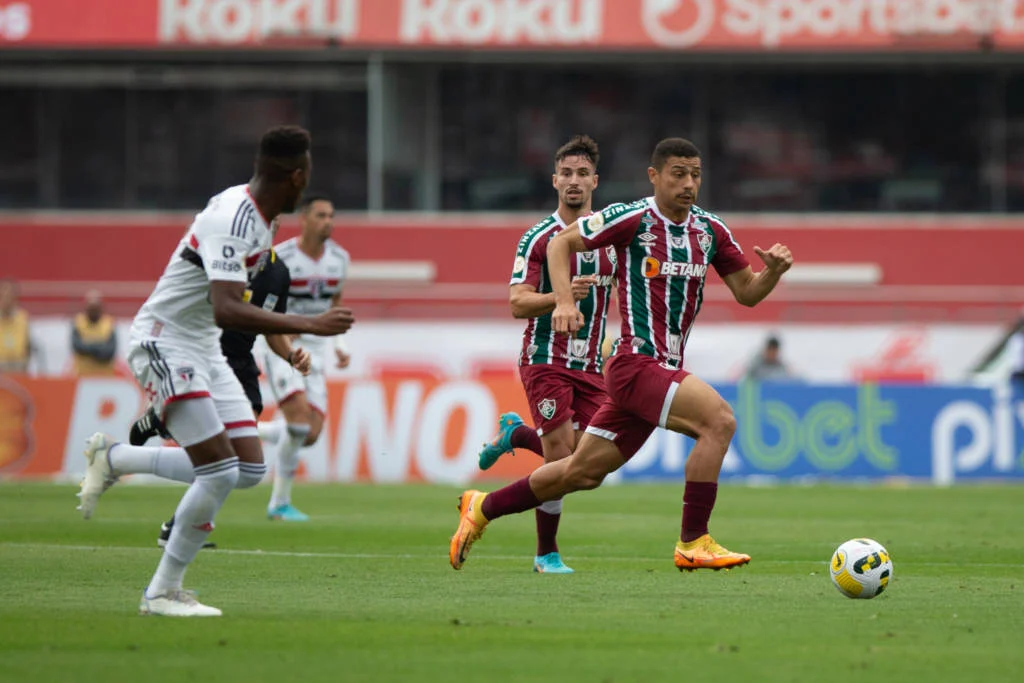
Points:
640	391
558	394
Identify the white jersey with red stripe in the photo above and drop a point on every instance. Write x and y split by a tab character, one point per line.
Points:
315	282
224	243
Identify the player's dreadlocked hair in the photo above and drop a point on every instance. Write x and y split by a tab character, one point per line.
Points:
579	146
282	150
673	147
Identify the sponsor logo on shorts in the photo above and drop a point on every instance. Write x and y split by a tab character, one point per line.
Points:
579	347
531	349
547	408
186	373
156	329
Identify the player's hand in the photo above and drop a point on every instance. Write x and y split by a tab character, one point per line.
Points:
344	359
581	285
778	259
333	321
566	318
301	360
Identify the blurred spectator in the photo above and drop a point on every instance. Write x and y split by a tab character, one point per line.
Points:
768	366
93	338
15	344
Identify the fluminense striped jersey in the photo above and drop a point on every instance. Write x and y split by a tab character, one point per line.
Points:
541	346
663	268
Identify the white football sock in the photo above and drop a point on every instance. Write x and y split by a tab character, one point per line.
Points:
270	432
287	464
163	461
193	522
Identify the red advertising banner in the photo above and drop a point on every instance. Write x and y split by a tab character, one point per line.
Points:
713	25
401	425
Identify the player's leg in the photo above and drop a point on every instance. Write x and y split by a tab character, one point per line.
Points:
512	432
195	424
697	410
239	417
558	444
289	391
613	437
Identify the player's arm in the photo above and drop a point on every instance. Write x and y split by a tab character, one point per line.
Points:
297	357
224	260
750	288
613	226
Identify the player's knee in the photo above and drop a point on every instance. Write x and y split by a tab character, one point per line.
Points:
722	425
557	450
584	476
250	474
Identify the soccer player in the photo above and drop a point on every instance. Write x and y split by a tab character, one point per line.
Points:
318	267
561	374
174	353
664	244
268	290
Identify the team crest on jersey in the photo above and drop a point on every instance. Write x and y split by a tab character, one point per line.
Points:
316	287
612	255
704	240
589	256
578	347
186	373
547	408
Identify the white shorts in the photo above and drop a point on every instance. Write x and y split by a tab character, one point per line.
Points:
170	372
285	381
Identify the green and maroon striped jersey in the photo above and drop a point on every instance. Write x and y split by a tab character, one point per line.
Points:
663	268
541	346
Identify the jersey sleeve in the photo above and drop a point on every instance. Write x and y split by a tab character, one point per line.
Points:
223	253
530	256
729	258
614	225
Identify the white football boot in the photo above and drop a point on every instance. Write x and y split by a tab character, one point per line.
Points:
177	603
98	475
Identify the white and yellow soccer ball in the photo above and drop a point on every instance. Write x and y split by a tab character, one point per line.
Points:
861	568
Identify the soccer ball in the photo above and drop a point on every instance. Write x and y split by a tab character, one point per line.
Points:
861	568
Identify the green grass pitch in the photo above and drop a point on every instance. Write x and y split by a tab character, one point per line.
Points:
364	592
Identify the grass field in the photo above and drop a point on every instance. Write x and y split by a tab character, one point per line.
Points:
364	591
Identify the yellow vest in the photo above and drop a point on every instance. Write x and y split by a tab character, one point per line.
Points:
93	333
14	347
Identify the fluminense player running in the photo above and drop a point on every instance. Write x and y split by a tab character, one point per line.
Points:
664	245
561	374
318	266
268	289
175	355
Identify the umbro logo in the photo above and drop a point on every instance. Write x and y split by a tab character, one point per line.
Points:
648	237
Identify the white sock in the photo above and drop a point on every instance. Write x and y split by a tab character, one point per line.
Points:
287	464
193	522
250	474
169	463
552	507
270	431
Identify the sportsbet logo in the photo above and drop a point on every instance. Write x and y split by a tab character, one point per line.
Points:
655	268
